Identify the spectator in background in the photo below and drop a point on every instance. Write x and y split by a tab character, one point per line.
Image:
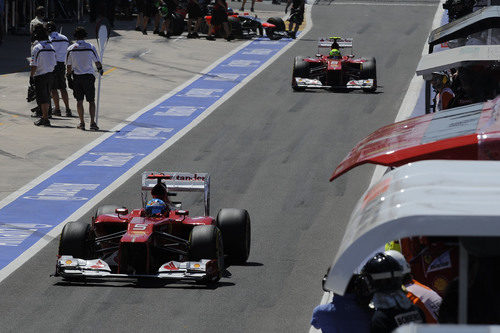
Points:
422	296
43	62
219	19
140	17
296	16
39	19
243	5
444	94
60	44
2	23
348	313
79	61
151	10
168	8
195	17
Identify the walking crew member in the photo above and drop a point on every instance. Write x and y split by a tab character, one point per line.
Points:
79	61
195	17
296	16
43	62
60	43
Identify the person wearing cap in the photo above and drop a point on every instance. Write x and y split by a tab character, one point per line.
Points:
391	306
444	95
43	61
79	68
422	296
60	43
39	19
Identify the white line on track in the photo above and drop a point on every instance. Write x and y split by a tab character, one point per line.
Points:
369	3
405	110
35	248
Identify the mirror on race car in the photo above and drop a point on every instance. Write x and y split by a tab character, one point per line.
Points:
121	211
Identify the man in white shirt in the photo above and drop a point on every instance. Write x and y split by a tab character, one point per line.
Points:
79	63
43	62
60	43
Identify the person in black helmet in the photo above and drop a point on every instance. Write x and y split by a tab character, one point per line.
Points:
391	306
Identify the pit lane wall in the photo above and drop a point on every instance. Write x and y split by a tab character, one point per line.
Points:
34	216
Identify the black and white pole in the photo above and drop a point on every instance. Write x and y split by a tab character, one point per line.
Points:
102	41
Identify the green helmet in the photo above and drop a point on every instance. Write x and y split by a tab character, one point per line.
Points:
335	53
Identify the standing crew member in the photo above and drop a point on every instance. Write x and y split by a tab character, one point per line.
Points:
194	17
219	18
79	61
43	62
39	19
296	16
60	43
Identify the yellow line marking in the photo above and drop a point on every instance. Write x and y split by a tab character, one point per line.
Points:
15	116
1	123
109	71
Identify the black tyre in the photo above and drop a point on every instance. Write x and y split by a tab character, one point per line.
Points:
236	233
278	22
177	25
106	209
301	68
235	27
206	243
369	71
77	240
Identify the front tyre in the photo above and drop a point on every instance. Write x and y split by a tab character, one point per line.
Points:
302	69
369	71
77	240
206	243
236	233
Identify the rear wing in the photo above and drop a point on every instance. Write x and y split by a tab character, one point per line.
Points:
328	41
179	182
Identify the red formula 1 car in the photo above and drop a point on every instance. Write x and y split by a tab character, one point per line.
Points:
340	72
172	245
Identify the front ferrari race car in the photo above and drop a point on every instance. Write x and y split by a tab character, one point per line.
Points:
165	243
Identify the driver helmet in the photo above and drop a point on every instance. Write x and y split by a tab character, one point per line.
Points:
155	207
335	53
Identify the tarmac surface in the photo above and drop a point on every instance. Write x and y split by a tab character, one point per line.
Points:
268	150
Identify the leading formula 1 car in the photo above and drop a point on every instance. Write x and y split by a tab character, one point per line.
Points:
119	243
326	72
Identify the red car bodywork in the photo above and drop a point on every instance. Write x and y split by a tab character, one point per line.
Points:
464	133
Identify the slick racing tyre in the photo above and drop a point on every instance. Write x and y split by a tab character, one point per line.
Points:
76	240
369	71
236	233
301	68
106	209
206	243
279	26
235	27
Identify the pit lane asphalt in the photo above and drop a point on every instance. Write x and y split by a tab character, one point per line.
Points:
268	150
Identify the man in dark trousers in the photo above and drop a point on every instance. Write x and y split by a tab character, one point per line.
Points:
219	18
43	62
79	65
296	16
60	43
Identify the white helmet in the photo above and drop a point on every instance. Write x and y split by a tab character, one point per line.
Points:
400	259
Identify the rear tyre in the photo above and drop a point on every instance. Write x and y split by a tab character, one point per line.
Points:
235	27
279	26
369	71
301	68
77	240
278	22
236	233
206	243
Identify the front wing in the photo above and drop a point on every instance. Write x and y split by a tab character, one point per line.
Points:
74	268
316	84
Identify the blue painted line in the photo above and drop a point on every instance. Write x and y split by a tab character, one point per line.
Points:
29	217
